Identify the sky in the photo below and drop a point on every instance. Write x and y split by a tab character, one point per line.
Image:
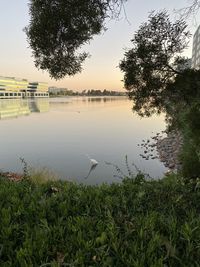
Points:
100	70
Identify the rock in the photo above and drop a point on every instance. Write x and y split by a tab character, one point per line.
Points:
168	149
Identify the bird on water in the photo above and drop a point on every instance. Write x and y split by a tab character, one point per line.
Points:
94	163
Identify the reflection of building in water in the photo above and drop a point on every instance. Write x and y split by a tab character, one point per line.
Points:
13	108
39	105
11	87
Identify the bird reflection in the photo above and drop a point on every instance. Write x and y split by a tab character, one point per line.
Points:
91	169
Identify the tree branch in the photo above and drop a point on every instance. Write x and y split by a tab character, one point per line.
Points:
175	71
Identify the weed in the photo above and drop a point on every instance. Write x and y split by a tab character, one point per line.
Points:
137	222
131	174
25	168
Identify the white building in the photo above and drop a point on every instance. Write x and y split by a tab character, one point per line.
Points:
56	90
196	50
11	87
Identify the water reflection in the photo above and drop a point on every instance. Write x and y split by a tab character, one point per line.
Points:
95	99
59	139
14	108
103	99
92	168
39	105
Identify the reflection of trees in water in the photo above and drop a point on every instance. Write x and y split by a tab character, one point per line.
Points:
74	104
94	99
103	99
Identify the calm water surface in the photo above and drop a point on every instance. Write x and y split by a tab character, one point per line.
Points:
58	133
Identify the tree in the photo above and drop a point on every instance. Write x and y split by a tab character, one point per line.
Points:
151	66
59	28
190	10
157	79
180	96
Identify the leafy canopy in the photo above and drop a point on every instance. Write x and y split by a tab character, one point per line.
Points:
59	28
154	61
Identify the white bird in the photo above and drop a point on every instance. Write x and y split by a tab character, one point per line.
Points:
92	161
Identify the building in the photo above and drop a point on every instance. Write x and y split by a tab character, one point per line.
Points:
37	89
11	87
56	91
196	49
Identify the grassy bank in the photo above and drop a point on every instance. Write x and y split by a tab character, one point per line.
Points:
135	223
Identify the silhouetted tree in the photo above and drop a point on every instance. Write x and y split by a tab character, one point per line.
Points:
59	28
151	66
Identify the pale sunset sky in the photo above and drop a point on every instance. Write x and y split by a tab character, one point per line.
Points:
100	71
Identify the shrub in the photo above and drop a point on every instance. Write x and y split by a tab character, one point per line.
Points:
189	124
135	223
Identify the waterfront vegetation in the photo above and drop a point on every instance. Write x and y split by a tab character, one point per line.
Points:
159	79
137	222
93	92
140	221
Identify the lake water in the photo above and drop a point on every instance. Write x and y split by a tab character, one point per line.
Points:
58	133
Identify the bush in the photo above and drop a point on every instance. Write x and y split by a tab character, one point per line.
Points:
189	124
190	160
135	223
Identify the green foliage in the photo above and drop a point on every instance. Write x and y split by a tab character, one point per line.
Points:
158	80
181	98
132	172
185	89
189	124
154	61
153	223
190	160
59	28
41	175
25	168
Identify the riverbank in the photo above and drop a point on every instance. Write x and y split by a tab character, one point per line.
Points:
135	223
11	176
166	147
169	149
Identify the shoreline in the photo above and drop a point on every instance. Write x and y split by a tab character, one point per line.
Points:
164	148
11	176
169	149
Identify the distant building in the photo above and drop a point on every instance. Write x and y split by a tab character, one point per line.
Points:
57	90
11	87
196	49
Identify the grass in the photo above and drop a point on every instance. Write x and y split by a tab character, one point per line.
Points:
135	223
41	175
